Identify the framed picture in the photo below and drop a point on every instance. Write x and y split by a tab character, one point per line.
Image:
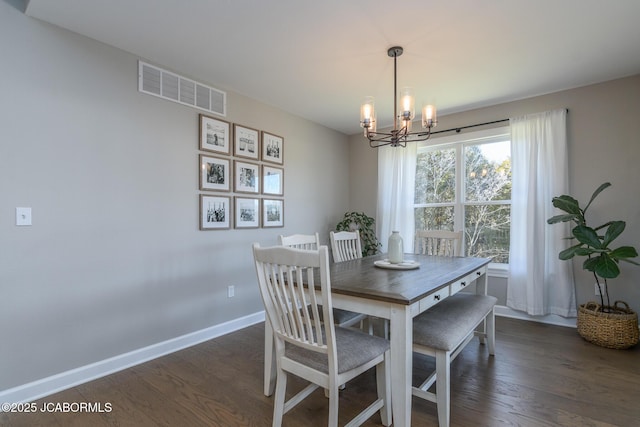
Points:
247	213
272	213
246	142
272	180
215	212
215	135
214	173
272	148
247	177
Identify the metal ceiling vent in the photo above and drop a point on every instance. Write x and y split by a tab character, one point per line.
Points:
164	84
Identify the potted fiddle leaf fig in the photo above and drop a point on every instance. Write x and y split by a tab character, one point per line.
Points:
601	259
366	225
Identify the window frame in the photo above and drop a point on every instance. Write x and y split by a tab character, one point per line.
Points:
459	204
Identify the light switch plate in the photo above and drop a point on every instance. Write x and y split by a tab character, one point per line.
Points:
23	216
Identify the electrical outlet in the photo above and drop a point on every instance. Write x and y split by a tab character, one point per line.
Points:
231	291
597	289
23	216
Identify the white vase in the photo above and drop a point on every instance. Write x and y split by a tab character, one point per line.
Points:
395	248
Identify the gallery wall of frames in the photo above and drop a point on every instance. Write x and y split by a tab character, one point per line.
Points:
241	176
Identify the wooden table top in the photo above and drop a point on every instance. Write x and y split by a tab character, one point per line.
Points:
362	279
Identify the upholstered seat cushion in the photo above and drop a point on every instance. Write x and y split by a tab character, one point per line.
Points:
353	349
445	325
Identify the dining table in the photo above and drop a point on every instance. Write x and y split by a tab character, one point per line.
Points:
397	292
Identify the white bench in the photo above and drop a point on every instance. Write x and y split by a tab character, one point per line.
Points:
443	331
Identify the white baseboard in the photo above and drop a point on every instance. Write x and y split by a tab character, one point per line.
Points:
552	319
55	383
62	381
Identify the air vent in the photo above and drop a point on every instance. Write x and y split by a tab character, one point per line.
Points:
164	84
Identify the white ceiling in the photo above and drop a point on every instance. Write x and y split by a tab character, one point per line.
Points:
319	58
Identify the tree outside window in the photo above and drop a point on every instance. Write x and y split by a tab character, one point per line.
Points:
466	185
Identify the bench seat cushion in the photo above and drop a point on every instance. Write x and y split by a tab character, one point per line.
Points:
445	325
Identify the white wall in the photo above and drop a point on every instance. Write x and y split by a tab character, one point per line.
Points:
604	145
114	260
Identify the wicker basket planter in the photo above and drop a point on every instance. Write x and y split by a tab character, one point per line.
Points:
617	329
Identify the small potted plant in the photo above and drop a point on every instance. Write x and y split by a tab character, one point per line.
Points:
613	326
365	224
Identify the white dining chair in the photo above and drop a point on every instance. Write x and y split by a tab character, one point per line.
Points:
321	353
438	242
312	241
300	241
345	245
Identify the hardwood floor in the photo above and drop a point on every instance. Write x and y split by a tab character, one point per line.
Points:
542	375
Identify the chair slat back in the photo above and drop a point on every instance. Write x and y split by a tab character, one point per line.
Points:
300	241
438	242
285	276
345	245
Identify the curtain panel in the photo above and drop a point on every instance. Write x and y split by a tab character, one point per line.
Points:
539	282
396	190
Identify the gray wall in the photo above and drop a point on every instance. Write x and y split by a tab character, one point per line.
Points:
114	260
604	145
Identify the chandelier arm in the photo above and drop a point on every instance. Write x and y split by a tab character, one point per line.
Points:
417	137
385	143
372	145
379	136
395	139
423	134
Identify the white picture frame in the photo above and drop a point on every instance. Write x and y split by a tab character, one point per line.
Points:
215	135
215	173
272	213
246	177
246	142
272	180
272	148
215	212
247	212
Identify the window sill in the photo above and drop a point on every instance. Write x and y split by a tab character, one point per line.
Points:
498	270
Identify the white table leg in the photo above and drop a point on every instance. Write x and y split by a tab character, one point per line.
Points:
401	334
482	285
269	360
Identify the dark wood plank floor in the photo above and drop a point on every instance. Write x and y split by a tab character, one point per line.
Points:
542	375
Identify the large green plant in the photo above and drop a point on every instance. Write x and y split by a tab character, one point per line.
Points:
366	225
593	242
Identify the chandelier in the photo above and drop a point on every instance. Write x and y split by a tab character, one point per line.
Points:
401	132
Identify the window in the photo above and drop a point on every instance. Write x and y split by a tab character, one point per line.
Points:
464	183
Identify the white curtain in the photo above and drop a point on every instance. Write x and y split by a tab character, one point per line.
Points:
396	187
539	283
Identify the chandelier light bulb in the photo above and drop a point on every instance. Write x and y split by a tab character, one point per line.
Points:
407	104
367	112
429	116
